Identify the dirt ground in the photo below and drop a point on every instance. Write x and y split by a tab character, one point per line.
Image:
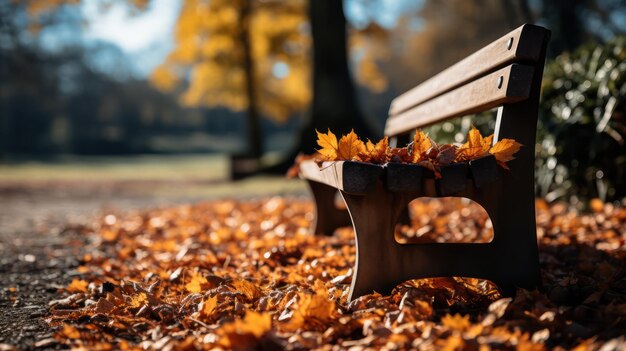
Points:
39	248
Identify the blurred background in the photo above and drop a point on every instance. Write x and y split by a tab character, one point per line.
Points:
177	97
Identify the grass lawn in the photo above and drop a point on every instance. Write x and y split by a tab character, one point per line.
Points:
169	176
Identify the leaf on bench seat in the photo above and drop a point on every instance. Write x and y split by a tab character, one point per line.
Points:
347	148
421	144
350	146
476	146
423	150
378	153
328	144
504	150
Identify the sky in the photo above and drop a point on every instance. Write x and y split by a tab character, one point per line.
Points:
148	37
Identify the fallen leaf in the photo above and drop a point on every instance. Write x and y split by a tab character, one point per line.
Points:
197	284
77	285
328	144
378	153
504	150
243	334
349	147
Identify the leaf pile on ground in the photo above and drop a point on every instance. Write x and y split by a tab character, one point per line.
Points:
247	275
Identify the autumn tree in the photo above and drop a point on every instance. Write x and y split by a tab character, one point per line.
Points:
245	55
255	56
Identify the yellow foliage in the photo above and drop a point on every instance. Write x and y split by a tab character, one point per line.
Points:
209	49
207	63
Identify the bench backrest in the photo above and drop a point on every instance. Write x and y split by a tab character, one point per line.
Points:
498	74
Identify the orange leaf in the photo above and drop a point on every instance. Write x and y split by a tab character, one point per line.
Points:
245	287
376	153
138	300
421	144
349	147
208	306
504	150
328	144
244	334
310	309
456	322
197	283
77	285
475	147
70	332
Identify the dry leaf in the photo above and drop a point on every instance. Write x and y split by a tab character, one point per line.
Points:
504	150
244	334
251	277
77	285
349	147
456	322
378	153
475	147
197	284
328	144
421	144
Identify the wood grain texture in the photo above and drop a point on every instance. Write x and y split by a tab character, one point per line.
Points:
477	96
349	176
525	47
328	216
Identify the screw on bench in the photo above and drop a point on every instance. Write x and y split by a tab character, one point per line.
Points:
509	44
500	81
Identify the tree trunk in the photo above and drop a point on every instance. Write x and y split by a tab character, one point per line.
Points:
335	104
255	145
565	23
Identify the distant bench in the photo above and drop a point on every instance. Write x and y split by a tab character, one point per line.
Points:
506	74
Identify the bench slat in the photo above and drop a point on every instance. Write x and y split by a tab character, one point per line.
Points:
351	177
525	47
479	95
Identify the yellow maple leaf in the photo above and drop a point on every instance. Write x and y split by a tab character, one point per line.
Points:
349	147
328	144
504	150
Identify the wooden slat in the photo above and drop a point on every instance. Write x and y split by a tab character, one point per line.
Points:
525	47
479	95
348	176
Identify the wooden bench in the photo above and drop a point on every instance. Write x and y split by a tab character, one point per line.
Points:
506	74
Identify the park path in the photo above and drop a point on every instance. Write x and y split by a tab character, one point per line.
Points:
41	242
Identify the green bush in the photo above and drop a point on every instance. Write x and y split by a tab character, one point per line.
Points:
581	151
581	137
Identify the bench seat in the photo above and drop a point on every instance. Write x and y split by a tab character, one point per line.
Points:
356	178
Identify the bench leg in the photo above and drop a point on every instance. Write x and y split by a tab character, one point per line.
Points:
514	242
382	263
327	216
